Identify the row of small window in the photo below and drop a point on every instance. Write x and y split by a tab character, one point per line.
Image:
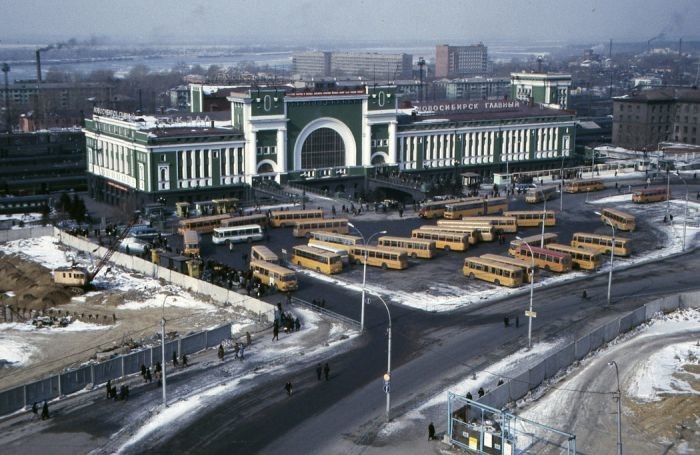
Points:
380	142
271	150
164	157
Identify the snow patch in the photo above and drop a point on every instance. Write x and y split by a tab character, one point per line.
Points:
662	373
14	352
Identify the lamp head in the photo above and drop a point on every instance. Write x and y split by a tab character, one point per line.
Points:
598	213
382	232
351	225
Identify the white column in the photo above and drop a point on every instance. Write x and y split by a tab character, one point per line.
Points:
282	150
249	159
193	168
366	144
556	138
528	133
211	169
200	155
402	151
227	163
392	143
235	151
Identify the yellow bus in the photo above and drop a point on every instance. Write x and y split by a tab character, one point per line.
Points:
274	275
444	240
465	208
495	272
533	240
415	248
263	253
602	243
502	223
650	195
385	258
435	209
303	228
225	205
533	218
539	194
317	259
581	258
526	266
344	241
473	238
496	205
583	185
284	218
333	248
545	259
191	243
481	232
201	224
258	218
621	220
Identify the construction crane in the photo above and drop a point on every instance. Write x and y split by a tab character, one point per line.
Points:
80	277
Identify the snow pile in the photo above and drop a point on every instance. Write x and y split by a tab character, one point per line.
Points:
75	326
663	373
46	250
14	352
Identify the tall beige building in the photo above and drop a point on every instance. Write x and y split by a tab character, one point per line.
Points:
456	61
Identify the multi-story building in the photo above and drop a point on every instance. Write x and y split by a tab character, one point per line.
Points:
643	119
339	64
55	95
42	162
551	90
472	89
456	61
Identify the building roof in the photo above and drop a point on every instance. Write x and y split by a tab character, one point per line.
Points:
523	111
662	94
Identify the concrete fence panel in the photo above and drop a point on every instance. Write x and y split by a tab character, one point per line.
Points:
689	300
46	389
194	343
551	366
170	348
497	398
133	361
597	338
108	370
217	335
519	386
75	380
651	308
612	330
11	400
583	347
626	323
536	374
26	233
638	316
566	356
670	303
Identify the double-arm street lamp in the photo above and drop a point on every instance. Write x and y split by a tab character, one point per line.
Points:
530	314
365	242
612	253
618	397
387	375
685	216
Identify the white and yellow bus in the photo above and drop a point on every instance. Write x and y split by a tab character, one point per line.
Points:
533	240
379	257
495	205
246	233
484	232
344	241
602	243
317	259
415	248
444	240
284	218
649	195
581	258
545	259
274	275
436	209
263	253
533	218
257	218
539	194
583	185
621	220
506	224
495	272
333	248
465	208
202	224
303	228
526	266
191	243
472	239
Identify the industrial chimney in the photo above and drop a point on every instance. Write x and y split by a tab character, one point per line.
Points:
38	66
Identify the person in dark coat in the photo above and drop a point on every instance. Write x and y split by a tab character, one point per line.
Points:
319	370
506	321
149	378
143	370
469	396
184	360
326	370
275	332
288	388
35	409
109	388
221	352
481	392
431	431
174	358
45	411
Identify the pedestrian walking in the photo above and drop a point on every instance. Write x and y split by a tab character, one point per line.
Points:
288	388
275	332
431	432
241	352
319	370
481	392
143	370
45	411
248	339
221	352
184	360
517	322
175	359
149	378
326	370
469	396
109	388
506	322
35	411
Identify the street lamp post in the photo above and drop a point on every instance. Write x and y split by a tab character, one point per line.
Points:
612	254
561	187
668	191
387	375
162	349
364	272
8	123
618	397
544	217
530	314
685	216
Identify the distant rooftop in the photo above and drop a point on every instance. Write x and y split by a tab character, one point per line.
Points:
687	94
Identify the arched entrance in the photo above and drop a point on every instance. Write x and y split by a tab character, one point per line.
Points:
324	143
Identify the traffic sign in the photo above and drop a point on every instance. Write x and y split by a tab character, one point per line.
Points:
530	314
387	387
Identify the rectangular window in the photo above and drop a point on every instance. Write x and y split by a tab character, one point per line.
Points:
162	158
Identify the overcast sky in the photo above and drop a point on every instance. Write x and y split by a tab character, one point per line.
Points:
319	21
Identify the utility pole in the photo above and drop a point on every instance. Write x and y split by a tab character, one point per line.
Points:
8	123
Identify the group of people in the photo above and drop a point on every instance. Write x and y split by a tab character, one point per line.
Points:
321	371
44	411
506	321
112	394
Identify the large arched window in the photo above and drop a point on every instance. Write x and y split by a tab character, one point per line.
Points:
323	148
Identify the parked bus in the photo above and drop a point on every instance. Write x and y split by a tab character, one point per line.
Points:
303	228
526	266
415	248
191	243
343	253
274	275
495	272
247	233
436	209
385	258
284	218
541	193
225	205
202	224
621	220
650	195
344	241
496	205
317	259
602	243
258	218
473	236
480	232
508	224
533	240
263	253
545	259
581	258
465	208
583	185
533	218
444	240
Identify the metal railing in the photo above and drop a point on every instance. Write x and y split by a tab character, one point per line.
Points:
325	312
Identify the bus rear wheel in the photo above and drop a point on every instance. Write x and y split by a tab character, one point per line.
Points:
414	255
384	266
497	282
471	276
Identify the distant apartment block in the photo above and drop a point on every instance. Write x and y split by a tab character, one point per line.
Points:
456	61
339	64
552	90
